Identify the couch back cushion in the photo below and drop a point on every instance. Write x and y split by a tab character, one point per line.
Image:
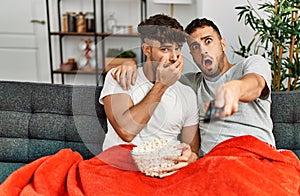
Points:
40	119
285	112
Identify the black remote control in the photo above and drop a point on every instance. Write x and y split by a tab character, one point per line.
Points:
213	113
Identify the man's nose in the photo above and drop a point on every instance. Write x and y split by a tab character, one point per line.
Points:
203	50
174	55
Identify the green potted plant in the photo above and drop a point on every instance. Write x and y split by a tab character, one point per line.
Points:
277	38
116	56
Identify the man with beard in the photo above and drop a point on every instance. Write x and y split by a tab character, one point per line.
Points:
241	91
156	107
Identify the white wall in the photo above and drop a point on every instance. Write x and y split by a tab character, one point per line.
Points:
184	14
221	12
225	16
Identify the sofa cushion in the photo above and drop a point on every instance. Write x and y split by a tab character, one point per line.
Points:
7	168
39	119
15	97
14	124
285	113
14	149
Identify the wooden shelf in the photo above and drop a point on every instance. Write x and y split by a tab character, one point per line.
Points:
58	42
78	71
125	35
104	34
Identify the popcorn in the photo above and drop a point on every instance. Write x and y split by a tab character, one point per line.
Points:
152	157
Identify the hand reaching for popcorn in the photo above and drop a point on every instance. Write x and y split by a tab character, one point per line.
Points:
187	157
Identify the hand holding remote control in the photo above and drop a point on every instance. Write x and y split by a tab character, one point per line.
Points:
213	113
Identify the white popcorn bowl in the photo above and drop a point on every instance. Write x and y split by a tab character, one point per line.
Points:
152	162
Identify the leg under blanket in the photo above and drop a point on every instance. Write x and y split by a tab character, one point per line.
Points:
241	165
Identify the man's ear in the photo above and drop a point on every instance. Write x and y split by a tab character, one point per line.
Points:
223	44
188	41
146	49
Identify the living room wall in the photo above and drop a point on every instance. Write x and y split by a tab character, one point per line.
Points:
222	12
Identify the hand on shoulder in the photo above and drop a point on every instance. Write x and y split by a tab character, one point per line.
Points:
125	74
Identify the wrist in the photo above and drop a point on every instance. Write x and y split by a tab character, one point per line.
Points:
157	91
160	86
237	85
194	157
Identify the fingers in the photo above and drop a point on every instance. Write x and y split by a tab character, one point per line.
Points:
123	80
119	75
167	73
129	78
125	76
175	167
227	99
178	63
116	74
220	98
181	161
127	83
230	109
134	76
163	62
206	106
166	174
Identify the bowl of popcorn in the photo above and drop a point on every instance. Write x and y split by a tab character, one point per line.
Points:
152	157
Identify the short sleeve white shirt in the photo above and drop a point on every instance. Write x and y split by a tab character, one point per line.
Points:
177	109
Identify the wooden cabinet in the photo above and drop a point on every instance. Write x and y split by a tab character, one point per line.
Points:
67	44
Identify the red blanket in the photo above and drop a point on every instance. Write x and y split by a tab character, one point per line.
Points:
242	165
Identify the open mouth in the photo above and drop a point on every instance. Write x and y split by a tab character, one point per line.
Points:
207	62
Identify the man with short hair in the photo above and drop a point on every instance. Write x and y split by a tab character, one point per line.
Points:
241	91
158	106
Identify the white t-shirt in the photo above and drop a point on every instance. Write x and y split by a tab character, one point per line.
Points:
177	109
251	119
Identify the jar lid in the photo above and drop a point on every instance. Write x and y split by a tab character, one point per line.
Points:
71	13
71	60
90	14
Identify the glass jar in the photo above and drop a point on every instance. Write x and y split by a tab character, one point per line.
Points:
65	22
110	23
90	22
80	22
72	22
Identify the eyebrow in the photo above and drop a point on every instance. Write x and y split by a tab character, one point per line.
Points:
202	38
205	37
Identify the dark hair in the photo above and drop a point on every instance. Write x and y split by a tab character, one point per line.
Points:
196	23
162	28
